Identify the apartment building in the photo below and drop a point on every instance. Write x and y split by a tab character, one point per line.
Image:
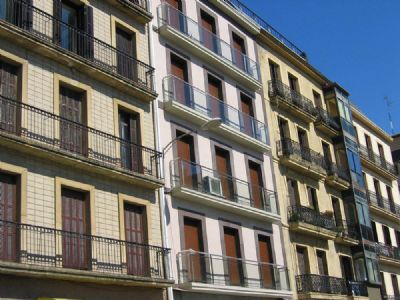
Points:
380	178
222	215
79	212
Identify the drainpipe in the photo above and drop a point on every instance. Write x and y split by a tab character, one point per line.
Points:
156	125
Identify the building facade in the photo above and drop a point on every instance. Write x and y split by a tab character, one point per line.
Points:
79	211
222	216
381	183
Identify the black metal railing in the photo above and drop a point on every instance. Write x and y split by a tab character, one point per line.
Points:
168	15
290	148
347	230
382	202
200	267
390	297
65	136
357	288
291	97
337	171
324	117
298	213
49	247
142	4
267	27
183	93
63	37
312	283
388	251
205	180
378	160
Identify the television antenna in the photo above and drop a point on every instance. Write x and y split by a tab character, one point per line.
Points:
389	104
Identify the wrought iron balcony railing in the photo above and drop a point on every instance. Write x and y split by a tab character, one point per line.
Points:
386	204
347	230
390	297
357	288
183	93
50	30
53	248
290	148
378	160
298	213
388	251
325	118
267	27
205	180
65	136
291	97
168	15
335	170
142	4
200	267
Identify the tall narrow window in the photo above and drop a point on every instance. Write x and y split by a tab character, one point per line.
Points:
395	284
266	259
378	192
232	250
283	129
336	211
374	232
137	254
368	143
274	71
73	133
194	241
16	13
381	154
75	221
179	71
302	260
346	266
312	198
386	235
175	17
126	46
293	83
208	31
383	285
327	154
322	263
390	199
215	102
129	132
186	154
8	213
303	141
256	189
247	116
318	100
223	162
293	192
239	51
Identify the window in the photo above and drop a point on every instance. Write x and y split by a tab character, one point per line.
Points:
327	154
374	232
239	56
223	164
344	111
381	153
208	35
293	192
386	235
322	263
232	249
186	154
126	46
180	75
336	211
359	267
373	270
214	86
312	198
395	284
129	133
274	71
194	240
346	267
256	185
283	129
293	83
383	285
318	100
266	258
247	116
355	166
302	260
368	142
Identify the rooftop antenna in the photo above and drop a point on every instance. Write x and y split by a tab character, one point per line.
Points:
389	105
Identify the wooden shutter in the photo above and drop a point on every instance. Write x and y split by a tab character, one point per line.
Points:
266	259
187	170
322	264
175	19
9	90
395	284
256	188
57	13
383	285
215	103
179	69
232	251
247	121
76	245
126	66
136	236
302	260
292	191
86	46
208	30
222	159
194	241
239	51
8	213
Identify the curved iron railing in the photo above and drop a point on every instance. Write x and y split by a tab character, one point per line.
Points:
388	251
64	37
347	230
335	170
49	247
382	202
378	160
325	118
292	97
299	213
267	27
64	135
196	177
288	147
200	267
142	4
172	17
182	92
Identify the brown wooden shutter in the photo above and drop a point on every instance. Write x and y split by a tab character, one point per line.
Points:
322	263
208	31
126	66
247	121
266	260
232	251
239	51
86	46
136	237
75	220
57	13
215	90
179	69
395	284
302	260
135	138
9	90
222	159
187	170
256	185
194	241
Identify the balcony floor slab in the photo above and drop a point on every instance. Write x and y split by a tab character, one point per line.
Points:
283	104
303	167
312	230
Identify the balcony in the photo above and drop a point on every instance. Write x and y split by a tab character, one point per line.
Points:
309	221
337	177
187	34
383	206
194	182
326	124
292	101
34	251
347	233
377	163
48	36
388	254
204	272
323	284
198	107
390	297
136	8
302	159
26	128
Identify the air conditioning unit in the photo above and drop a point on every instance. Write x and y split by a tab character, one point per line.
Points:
212	185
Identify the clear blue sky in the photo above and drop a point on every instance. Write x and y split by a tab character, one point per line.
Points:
353	42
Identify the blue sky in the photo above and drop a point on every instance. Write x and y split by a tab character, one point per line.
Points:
353	42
